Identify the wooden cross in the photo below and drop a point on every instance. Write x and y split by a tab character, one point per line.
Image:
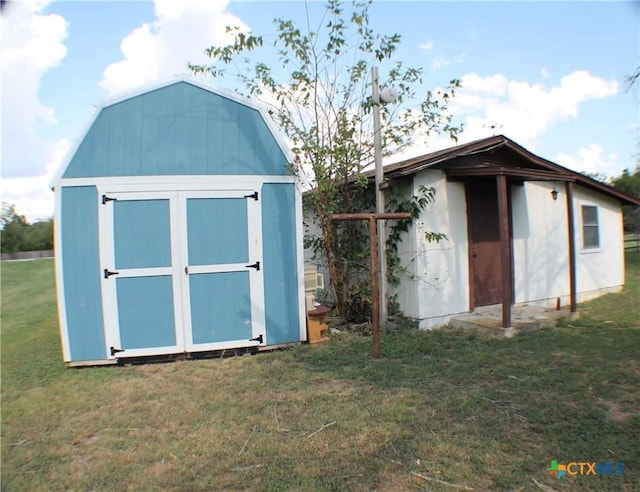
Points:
373	237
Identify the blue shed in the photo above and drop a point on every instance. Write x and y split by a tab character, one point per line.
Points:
178	229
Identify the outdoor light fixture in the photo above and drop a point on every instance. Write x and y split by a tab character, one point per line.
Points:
388	95
554	193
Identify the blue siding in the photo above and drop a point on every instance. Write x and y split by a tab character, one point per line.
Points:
142	233
217	231
220	307
280	267
145	312
179	129
81	275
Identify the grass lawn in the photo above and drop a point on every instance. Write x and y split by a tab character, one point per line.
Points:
442	410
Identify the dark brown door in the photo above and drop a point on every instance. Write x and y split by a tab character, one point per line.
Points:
484	242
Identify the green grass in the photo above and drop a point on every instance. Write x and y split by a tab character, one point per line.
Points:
451	406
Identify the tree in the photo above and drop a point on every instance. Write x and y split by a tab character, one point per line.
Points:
39	236
14	228
322	106
19	235
629	183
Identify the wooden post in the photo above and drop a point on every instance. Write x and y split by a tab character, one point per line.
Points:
373	238
572	247
505	256
375	291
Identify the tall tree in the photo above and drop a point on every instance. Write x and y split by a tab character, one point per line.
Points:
629	183
14	229
319	94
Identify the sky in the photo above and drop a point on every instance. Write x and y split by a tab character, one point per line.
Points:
549	75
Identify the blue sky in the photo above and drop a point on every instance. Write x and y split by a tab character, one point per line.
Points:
550	75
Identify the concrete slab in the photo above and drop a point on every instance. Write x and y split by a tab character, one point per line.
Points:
524	318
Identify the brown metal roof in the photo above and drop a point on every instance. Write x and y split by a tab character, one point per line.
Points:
528	166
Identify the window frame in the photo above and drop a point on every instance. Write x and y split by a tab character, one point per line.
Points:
590	224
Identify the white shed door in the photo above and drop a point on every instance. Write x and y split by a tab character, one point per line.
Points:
182	272
225	306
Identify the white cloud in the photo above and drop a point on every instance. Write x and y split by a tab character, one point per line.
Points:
491	105
32	196
521	110
590	159
442	61
160	49
32	44
428	46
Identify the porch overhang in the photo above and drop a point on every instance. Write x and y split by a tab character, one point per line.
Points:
520	174
506	175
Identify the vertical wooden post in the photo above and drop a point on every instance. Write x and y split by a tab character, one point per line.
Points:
373	237
505	256
572	247
375	300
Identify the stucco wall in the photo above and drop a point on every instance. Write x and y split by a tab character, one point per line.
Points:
436	283
541	249
599	270
540	243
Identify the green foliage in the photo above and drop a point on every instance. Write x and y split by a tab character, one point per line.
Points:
353	243
19	235
629	183
323	106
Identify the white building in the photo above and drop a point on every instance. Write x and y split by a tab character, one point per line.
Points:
520	229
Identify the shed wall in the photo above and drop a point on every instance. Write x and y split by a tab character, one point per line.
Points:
279	251
81	280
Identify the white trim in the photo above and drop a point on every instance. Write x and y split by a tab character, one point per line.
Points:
251	103
73	148
168	81
194	182
59	274
107	257
302	309
180	245
230	267
177	278
144	352
256	277
145	272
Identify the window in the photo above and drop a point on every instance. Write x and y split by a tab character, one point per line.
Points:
590	232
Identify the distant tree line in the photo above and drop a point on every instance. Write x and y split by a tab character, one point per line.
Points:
19	235
629	183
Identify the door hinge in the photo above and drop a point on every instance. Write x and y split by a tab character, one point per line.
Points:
258	339
253	195
106	199
256	265
108	274
114	351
